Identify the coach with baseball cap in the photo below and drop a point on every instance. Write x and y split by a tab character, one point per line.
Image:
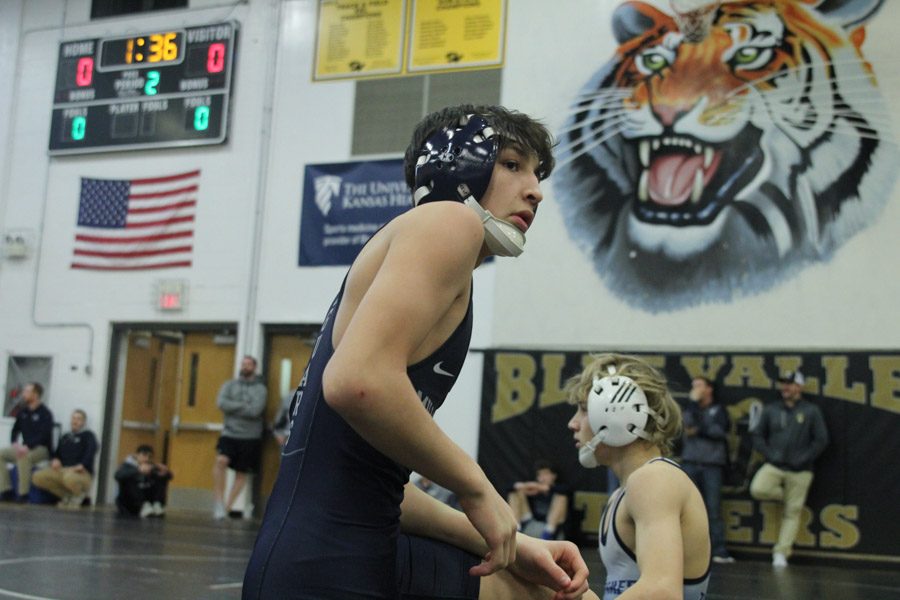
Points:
790	434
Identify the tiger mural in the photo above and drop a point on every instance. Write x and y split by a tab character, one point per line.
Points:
698	172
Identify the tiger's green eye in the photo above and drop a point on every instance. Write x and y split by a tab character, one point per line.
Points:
747	55
653	61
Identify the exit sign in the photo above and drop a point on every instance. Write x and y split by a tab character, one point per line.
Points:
170	294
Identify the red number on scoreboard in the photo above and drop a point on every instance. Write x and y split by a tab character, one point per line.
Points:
215	58
84	74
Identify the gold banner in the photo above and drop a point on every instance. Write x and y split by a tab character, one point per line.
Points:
456	34
359	38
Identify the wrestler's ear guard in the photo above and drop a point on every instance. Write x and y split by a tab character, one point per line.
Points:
461	153
617	413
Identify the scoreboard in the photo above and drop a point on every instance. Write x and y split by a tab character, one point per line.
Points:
154	90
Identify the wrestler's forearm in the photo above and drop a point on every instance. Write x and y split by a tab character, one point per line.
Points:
428	517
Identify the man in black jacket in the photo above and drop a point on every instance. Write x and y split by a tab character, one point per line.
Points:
790	435
69	475
704	456
32	438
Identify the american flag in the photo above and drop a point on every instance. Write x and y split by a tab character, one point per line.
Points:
126	225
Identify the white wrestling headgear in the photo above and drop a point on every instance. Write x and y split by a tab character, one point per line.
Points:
617	413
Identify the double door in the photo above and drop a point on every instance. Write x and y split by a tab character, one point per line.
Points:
169	384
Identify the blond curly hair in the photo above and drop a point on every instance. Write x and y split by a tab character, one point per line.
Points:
665	429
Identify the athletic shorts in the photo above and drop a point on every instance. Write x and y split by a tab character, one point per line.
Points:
429	569
243	455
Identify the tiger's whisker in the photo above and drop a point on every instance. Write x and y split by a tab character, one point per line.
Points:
881	117
607	131
801	68
615	105
566	159
602	92
780	74
599	117
853	112
845	92
850	130
600	101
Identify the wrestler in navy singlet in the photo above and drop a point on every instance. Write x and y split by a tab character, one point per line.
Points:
332	522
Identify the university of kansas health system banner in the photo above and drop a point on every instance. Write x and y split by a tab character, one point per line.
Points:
344	204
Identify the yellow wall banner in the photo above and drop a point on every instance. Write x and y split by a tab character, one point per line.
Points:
358	38
456	34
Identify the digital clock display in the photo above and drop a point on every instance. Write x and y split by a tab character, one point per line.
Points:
152	49
158	89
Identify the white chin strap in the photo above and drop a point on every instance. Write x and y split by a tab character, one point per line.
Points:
502	238
586	452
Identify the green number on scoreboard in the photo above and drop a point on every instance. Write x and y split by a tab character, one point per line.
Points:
79	125
201	118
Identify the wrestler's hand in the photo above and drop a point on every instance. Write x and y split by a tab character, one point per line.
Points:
495	522
557	565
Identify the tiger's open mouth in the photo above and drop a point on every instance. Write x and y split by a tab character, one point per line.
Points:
685	181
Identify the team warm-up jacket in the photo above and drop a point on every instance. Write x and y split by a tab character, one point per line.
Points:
791	438
35	426
77	449
707	446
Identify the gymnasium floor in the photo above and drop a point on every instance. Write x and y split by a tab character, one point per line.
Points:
50	554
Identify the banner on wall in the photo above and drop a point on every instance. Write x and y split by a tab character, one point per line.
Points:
390	38
851	508
456	34
359	38
344	204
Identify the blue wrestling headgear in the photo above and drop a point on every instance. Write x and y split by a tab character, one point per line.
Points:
617	413
462	153
456	163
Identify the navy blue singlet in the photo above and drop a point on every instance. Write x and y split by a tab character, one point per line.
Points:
332	522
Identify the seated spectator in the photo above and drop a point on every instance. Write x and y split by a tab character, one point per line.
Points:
142	485
540	506
69	475
32	438
434	490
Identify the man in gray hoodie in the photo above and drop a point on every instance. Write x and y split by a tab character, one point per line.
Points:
790	434
243	402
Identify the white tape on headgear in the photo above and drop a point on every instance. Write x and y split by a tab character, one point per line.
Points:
617	413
